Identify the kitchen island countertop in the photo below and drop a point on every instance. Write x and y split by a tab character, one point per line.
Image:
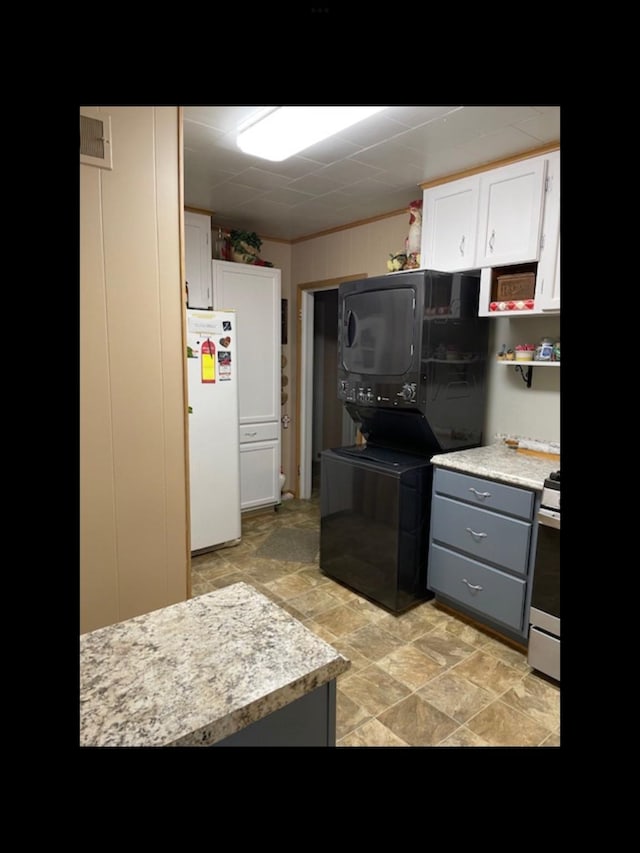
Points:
196	672
500	462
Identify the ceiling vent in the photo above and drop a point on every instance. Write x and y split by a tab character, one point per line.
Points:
95	141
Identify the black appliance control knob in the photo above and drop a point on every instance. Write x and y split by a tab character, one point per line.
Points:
408	392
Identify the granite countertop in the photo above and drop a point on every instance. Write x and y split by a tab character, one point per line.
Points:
501	463
195	672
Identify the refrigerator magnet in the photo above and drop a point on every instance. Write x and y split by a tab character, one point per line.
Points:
208	361
224	366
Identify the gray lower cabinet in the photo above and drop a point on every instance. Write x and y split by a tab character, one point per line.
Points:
308	721
480	553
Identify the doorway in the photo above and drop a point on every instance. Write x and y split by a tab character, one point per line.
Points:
323	419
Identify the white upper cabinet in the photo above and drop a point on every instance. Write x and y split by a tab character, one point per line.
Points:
548	274
197	251
450	217
510	213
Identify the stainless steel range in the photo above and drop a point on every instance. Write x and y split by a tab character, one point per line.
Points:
544	631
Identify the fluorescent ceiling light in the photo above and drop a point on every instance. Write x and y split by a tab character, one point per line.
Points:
280	132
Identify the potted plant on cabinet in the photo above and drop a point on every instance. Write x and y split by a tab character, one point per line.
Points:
245	246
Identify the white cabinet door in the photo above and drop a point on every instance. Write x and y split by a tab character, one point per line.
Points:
449	225
254	294
548	275
510	213
197	251
259	474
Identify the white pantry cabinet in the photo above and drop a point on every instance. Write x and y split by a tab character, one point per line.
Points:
253	292
197	251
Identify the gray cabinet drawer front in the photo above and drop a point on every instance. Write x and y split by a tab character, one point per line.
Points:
485	493
485	535
500	597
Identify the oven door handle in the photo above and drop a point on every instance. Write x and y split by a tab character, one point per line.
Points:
549	518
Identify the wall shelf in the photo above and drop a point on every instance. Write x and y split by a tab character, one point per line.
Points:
529	365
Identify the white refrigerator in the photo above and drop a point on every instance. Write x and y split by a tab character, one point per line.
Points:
214	441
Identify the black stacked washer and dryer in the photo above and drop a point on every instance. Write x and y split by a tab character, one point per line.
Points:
412	356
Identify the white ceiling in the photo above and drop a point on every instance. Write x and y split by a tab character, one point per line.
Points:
372	168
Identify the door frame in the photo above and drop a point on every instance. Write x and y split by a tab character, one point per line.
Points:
305	298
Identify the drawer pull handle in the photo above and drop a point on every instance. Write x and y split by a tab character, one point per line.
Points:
480	494
251	433
477	535
475	586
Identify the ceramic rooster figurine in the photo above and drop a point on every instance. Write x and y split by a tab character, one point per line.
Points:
415	228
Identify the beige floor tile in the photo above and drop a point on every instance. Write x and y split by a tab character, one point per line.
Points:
552	740
410	666
417	722
487	671
265	571
463	737
446	650
514	657
373	642
373	689
349	714
342	593
313	575
501	725
321	631
463	631
411	625
342	620
368	608
289	586
537	699
315	602
342	644
372	733
455	696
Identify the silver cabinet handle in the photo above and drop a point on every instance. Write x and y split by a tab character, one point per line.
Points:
462	245
477	535
492	240
471	585
479	494
251	433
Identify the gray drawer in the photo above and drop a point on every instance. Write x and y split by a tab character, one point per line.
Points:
488	591
486	535
486	493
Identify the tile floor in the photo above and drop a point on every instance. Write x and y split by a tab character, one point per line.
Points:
424	678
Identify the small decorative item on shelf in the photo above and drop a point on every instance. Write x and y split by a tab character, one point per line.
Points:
509	355
244	248
395	263
518	305
544	351
525	352
503	352
414	238
556	351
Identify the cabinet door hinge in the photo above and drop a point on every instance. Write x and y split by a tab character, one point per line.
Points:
542	240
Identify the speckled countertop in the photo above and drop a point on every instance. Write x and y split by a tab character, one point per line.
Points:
195	672
499	462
